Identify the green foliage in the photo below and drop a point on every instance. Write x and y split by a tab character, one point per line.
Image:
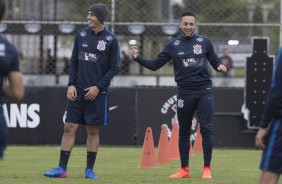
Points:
119	165
232	11
76	10
216	11
136	11
129	10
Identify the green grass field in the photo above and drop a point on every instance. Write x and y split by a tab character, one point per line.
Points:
25	164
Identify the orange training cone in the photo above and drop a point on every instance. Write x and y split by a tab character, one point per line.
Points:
198	141
148	159
163	156
173	144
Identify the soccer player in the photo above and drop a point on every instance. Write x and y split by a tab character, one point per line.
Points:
94	62
190	53
9	69
270	140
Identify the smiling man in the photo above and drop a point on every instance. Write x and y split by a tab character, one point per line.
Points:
94	62
190	53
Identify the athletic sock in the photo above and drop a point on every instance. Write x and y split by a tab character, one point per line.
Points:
91	157
64	159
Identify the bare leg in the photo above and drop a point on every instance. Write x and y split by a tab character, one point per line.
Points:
92	143
269	178
68	139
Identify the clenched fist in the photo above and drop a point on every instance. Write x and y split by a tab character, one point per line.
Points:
133	52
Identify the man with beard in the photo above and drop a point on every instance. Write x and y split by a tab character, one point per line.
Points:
190	53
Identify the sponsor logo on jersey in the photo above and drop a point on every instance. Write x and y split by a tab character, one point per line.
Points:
180	53
101	45
90	57
87	56
189	62
83	33
197	49
84	45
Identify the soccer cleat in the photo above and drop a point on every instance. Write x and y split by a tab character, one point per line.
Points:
206	172
57	172
89	173
181	173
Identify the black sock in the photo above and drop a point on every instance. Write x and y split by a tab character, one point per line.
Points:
64	159
91	157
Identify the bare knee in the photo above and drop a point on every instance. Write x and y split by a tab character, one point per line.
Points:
93	130
70	128
269	178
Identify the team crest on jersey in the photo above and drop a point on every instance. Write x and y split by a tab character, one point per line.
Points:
176	42
101	45
83	33
109	38
197	49
200	39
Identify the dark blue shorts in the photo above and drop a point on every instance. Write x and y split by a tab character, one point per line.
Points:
272	155
87	112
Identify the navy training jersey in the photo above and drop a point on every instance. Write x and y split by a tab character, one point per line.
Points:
95	59
9	60
273	106
190	57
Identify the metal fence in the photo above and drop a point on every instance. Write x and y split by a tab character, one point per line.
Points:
43	31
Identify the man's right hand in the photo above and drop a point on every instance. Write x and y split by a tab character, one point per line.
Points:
133	52
72	93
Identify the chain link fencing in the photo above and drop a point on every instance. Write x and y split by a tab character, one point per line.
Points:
43	32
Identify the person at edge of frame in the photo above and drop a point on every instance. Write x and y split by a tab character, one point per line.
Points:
269	135
11	80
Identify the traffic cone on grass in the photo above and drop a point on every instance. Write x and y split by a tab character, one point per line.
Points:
173	144
148	159
163	156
